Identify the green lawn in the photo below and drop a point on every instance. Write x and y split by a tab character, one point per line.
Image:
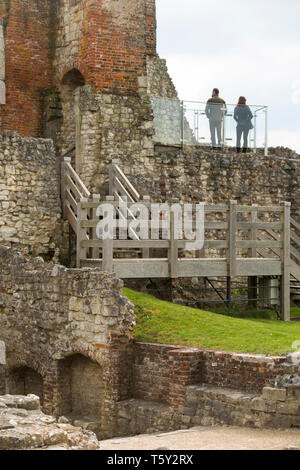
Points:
165	322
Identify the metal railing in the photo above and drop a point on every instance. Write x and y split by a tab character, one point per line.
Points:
185	123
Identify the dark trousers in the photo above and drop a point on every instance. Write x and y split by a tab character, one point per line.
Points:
215	126
241	130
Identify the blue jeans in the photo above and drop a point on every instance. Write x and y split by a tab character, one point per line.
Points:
242	130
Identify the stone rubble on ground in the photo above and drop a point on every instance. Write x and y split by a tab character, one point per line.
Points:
24	426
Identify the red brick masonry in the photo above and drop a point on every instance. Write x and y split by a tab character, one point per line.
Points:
162	372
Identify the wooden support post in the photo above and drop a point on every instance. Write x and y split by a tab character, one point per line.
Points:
228	293
112	176
146	251
253	233
252	291
252	253
95	251
63	185
286	261
108	248
107	255
81	233
232	228
173	249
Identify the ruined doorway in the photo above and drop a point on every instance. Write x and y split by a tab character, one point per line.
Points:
80	388
71	127
25	381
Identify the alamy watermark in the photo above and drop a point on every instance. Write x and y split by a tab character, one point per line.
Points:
152	222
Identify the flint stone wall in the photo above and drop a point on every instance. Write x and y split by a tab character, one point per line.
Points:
200	174
30	208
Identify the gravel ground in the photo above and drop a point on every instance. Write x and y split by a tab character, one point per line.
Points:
210	438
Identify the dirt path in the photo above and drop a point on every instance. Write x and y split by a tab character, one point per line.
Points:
210	438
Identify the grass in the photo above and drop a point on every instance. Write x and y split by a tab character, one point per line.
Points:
164	322
245	312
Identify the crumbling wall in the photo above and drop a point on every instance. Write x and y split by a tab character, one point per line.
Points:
159	81
30	208
177	388
200	174
24	426
112	125
56	322
114	59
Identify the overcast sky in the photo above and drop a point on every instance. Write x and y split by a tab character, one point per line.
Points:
243	47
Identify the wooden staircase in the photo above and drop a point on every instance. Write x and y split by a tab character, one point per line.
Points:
294	256
271	247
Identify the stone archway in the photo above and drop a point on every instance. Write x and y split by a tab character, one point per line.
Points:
25	381
80	391
71	127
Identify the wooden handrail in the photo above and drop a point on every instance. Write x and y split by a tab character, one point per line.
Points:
295	224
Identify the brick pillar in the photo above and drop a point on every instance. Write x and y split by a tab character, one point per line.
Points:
50	390
2	380
117	381
184	370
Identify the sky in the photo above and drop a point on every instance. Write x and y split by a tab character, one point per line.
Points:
243	47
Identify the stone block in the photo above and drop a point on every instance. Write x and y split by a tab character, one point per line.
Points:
259	404
288	408
274	394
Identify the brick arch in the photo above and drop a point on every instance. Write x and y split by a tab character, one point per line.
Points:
70	85
68	69
73	77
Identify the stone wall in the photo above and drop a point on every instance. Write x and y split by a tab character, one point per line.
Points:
72	328
111	125
106	40
200	174
210	406
162	372
177	388
113	60
30	207
160	83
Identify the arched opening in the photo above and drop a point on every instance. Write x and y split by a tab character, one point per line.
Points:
80	390
23	381
71	127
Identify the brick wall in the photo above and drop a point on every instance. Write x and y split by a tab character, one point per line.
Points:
106	40
162	373
28	30
72	327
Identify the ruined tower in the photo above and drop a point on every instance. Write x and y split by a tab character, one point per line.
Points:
77	71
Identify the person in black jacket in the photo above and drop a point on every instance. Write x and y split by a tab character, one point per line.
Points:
243	116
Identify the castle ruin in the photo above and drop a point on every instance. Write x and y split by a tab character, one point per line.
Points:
77	81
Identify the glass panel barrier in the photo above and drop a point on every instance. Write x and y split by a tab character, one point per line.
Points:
210	124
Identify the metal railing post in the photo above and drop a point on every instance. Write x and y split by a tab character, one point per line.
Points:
182	123
286	260
224	128
255	132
